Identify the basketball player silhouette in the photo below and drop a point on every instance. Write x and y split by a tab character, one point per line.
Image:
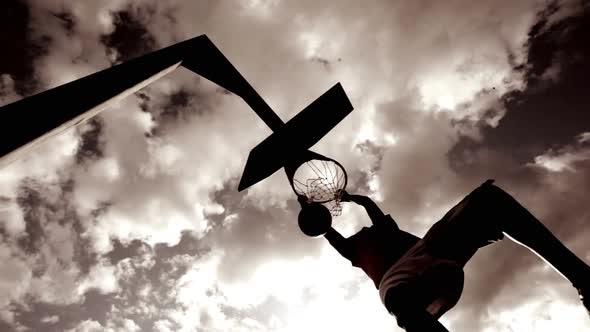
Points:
420	279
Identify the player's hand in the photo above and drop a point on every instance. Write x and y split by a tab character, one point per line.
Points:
302	200
344	196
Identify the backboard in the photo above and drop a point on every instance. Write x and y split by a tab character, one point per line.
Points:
288	146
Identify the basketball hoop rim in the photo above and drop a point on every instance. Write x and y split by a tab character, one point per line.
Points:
320	157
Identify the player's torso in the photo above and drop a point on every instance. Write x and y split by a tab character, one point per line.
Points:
378	247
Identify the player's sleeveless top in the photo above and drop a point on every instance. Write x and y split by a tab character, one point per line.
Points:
378	247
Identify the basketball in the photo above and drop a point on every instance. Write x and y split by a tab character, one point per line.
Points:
314	219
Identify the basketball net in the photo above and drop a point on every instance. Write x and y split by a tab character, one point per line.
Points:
321	181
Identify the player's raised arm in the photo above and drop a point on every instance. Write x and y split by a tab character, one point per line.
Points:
339	243
375	214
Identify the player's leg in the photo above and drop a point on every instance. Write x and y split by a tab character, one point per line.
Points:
484	215
401	302
521	226
459	233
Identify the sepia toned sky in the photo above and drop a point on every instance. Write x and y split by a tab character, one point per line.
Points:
133	222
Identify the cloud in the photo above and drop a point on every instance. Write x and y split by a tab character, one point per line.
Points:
87	326
163	326
50	319
47	255
12	217
567	158
14	281
7	92
219	305
102	277
557	12
125	325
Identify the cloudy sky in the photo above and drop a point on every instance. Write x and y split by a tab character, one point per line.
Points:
133	222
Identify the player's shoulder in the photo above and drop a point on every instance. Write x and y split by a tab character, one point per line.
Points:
362	233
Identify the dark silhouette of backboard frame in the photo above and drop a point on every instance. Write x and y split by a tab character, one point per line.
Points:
28	122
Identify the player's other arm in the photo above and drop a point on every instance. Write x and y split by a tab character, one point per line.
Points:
375	214
339	242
